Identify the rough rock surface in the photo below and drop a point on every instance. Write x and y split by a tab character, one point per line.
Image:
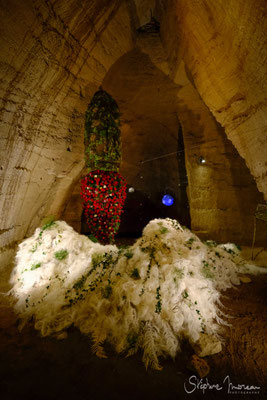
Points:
146	96
223	195
224	46
54	55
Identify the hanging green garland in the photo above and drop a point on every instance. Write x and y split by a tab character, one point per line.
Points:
102	133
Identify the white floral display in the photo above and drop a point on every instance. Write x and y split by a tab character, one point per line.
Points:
149	296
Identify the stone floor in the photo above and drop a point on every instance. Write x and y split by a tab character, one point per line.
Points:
36	368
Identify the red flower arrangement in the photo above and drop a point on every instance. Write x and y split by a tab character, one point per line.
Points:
103	194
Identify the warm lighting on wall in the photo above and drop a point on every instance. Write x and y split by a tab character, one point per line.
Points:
201	160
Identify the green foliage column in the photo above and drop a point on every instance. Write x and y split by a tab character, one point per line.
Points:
102	133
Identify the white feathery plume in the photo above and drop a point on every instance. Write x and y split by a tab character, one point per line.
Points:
151	295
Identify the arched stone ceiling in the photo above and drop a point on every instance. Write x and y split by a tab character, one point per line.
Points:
146	97
55	54
223	195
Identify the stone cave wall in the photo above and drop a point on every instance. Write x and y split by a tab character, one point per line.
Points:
139	83
222	193
146	96
55	54
223	44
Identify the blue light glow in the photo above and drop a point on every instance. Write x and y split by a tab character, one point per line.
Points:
167	200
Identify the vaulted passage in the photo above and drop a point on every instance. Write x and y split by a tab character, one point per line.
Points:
189	78
54	56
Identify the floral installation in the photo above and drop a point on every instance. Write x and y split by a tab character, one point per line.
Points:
103	189
103	194
150	296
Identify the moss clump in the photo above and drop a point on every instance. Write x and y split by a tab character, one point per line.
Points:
79	284
61	254
190	242
128	254
162	229
35	266
210	243
97	259
92	238
48	222
206	270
